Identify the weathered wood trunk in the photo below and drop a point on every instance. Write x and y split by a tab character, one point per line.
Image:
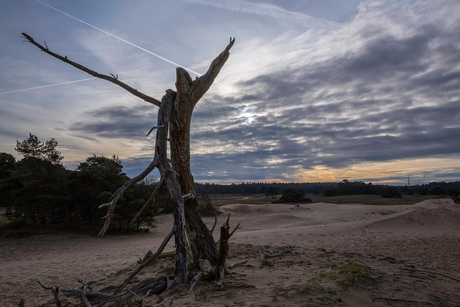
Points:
189	92
175	115
200	238
170	179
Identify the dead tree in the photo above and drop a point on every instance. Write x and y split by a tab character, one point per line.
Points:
174	116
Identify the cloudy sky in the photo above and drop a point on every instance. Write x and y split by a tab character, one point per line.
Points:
314	90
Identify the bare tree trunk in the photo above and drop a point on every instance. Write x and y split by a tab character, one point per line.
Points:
188	94
175	113
200	238
170	178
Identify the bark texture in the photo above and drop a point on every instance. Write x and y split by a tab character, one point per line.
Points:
188	94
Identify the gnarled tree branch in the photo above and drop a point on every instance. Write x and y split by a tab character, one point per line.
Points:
113	200
112	79
149	201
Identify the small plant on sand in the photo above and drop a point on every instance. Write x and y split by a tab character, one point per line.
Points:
347	275
352	274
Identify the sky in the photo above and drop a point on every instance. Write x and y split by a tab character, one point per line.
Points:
313	91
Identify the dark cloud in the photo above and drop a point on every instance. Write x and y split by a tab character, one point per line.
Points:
117	122
384	57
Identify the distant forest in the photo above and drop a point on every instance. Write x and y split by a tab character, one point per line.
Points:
344	187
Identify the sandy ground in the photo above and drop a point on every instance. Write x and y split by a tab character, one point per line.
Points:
345	255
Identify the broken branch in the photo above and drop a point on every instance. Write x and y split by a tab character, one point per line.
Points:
215	223
187	196
153	128
93	73
237	227
264	255
55	291
150	200
232	266
195	280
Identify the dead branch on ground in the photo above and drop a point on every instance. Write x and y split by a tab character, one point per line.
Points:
55	291
264	255
232	266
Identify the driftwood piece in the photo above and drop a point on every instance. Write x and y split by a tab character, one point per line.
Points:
221	282
155	285
55	291
264	255
234	265
223	246
195	280
85	286
85	298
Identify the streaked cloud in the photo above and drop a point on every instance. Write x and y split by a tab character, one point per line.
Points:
270	10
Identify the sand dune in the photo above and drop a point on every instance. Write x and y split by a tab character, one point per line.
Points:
389	240
427	217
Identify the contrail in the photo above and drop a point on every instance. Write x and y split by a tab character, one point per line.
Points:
45	86
121	39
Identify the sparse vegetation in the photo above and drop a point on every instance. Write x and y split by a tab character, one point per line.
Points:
293	196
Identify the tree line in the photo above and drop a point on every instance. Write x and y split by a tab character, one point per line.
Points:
345	187
39	190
